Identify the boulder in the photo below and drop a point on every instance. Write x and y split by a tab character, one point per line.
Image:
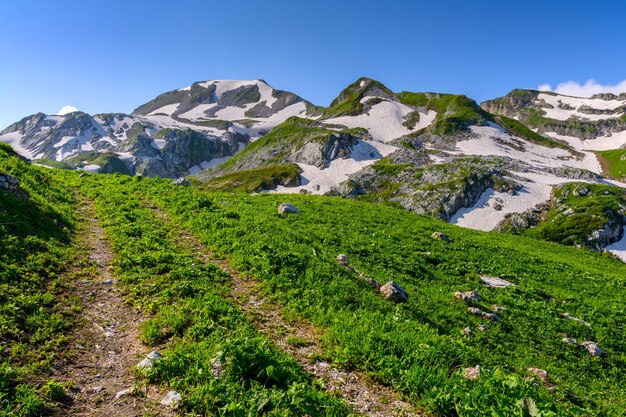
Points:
343	260
495	282
490	316
474	310
149	361
172	399
472	373
592	348
440	236
467	295
539	373
9	183
181	181
287	208
498	309
467	331
570	341
392	291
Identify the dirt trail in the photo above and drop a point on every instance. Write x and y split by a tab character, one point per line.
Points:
301	340
106	344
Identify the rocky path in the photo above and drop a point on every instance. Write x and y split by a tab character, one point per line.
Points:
299	339
106	344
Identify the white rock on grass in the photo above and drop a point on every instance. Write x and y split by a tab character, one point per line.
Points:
172	399
392	291
495	282
287	208
149	361
440	236
592	348
570	317
570	341
123	393
342	260
472	373
467	295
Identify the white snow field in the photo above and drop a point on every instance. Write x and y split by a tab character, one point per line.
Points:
566	107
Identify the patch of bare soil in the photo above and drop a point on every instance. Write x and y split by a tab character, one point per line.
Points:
299	339
106	343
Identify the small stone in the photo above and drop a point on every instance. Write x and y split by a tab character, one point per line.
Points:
107	282
440	236
217	368
467	295
181	181
495	282
287	208
482	327
467	331
123	393
108	334
392	291
570	341
97	389
149	361
472	373
540	373
490	316
592	348
474	310
171	399
342	260
570	317
499	309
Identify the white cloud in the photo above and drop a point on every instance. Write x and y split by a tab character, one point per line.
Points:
589	88
66	110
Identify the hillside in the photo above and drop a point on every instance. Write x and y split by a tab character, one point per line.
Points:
437	154
225	286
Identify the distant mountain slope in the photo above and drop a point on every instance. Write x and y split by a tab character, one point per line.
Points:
178	133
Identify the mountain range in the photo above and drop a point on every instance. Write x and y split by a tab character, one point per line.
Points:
522	163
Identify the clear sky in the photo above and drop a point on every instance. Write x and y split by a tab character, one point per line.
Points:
112	55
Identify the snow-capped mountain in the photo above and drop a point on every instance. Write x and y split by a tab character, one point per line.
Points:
493	166
178	133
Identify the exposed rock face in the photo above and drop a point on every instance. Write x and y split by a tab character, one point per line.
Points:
392	291
524	105
9	183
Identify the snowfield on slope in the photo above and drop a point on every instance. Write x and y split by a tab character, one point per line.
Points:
566	107
320	181
384	120
485	215
493	140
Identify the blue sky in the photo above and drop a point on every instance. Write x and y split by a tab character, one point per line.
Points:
111	56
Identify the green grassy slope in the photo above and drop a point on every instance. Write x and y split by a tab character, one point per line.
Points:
418	347
35	250
613	163
187	309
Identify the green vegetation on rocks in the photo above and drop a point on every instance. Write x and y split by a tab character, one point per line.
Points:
613	163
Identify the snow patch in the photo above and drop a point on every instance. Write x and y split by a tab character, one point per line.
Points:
484	215
320	181
169	109
558	113
384	120
619	248
13	139
91	168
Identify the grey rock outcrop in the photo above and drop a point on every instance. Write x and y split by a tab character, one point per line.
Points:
392	291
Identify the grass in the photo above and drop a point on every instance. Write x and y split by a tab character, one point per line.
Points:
254	180
188	311
613	163
36	248
418	347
